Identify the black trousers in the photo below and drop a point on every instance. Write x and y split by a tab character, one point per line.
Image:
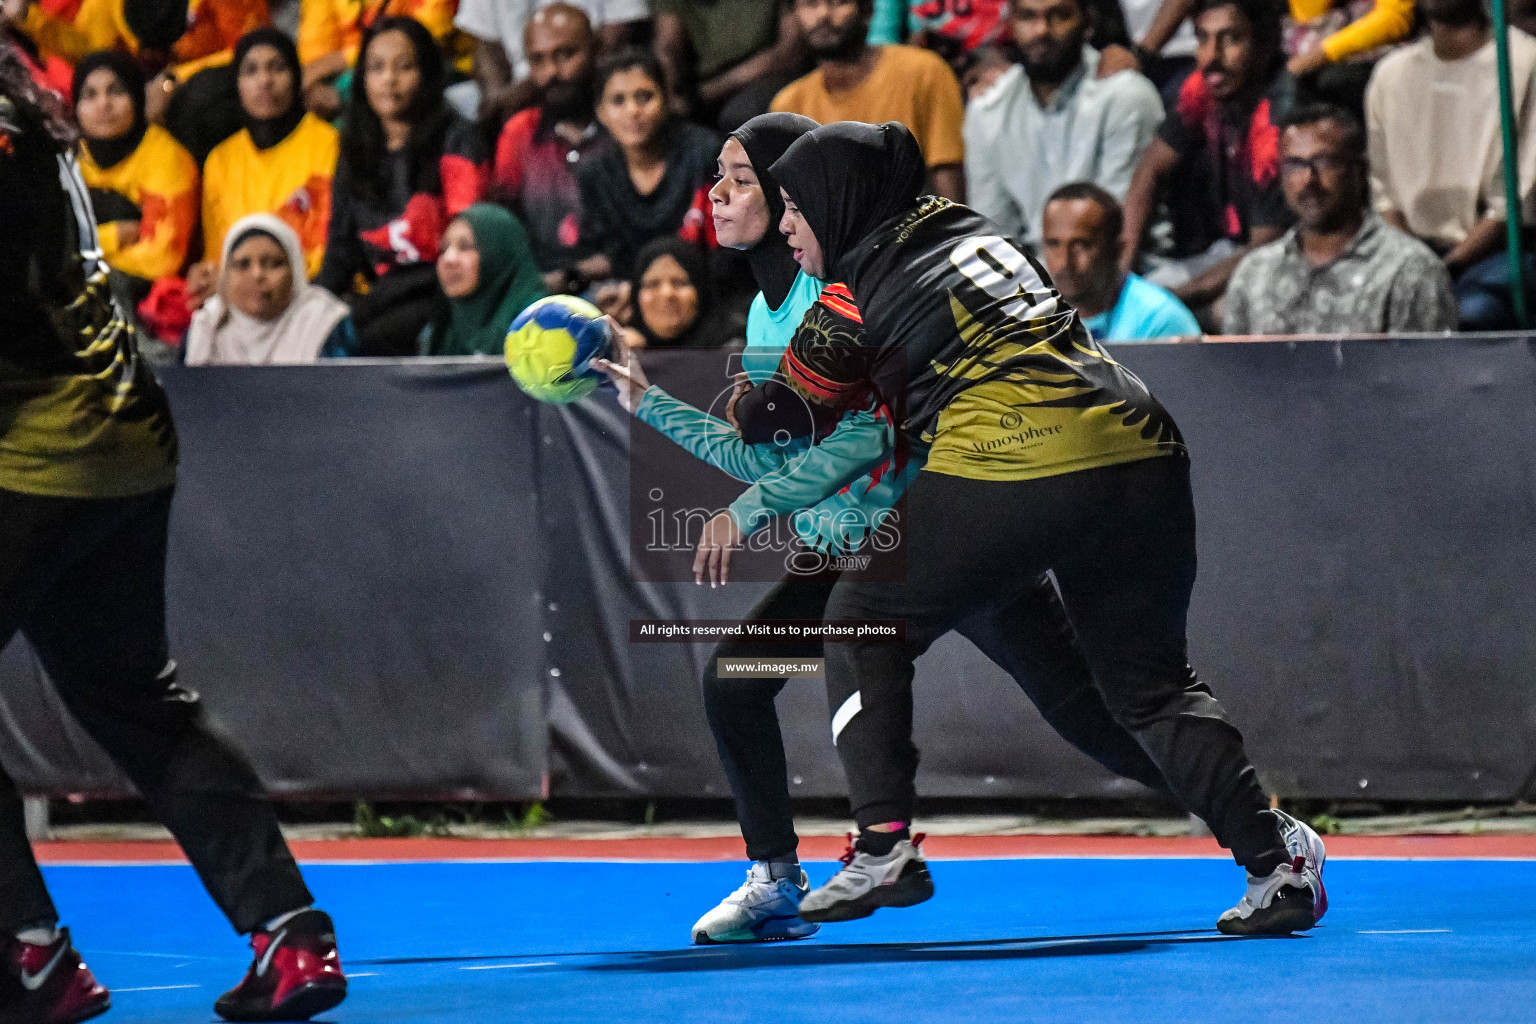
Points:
84	581
1121	543
1028	636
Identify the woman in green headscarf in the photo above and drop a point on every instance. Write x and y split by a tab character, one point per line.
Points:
487	271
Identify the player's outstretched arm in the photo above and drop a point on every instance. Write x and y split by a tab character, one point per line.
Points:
706	437
861	441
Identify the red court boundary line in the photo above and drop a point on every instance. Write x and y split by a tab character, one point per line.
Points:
1422	847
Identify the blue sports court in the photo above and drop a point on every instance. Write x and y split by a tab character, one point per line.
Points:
1041	940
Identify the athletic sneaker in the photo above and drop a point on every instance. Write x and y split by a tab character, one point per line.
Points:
1301	841
764	909
1290	898
49	984
866	883
295	975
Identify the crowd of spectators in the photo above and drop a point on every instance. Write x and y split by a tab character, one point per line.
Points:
281	180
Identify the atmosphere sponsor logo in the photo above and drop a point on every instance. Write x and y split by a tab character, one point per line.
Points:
1017	437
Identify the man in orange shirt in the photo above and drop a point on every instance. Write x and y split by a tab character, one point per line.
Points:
854	81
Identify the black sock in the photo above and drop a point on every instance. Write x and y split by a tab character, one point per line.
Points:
878	844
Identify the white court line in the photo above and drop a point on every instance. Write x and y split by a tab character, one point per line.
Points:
153	988
506	967
161	956
1405	931
353	974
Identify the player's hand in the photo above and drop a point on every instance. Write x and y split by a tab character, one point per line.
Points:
713	559
742	386
624	369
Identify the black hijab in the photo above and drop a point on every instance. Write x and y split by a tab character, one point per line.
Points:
765	138
111	152
708	330
268	132
848	178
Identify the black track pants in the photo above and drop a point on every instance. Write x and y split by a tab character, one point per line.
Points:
1121	543
84	581
1028	636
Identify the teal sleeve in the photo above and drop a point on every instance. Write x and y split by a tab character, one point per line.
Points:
709	438
887	22
860	441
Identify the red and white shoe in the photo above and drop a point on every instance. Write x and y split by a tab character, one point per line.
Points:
49	984
296	973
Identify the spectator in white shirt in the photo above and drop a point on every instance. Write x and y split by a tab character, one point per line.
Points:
1437	160
1053	120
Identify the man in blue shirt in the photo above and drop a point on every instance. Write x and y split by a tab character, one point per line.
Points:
1081	227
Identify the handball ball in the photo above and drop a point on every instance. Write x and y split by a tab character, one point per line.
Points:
551	345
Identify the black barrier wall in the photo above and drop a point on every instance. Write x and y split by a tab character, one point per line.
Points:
407	579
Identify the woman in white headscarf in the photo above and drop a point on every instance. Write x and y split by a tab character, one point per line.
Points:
266	312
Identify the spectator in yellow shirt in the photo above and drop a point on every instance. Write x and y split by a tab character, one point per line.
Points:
143	183
854	81
281	162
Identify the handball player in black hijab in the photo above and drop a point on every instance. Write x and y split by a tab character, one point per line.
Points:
741	712
1043	454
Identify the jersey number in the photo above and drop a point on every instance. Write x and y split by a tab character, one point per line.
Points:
993	264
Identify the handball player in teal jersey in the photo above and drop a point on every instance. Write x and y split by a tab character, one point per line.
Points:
838	488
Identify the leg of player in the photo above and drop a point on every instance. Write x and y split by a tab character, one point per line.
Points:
1128	593
1031	639
1121	541
745	723
91	601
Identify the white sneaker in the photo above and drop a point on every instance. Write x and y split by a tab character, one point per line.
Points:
1302	842
764	909
866	883
1290	898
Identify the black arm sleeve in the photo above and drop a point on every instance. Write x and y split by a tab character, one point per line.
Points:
824	373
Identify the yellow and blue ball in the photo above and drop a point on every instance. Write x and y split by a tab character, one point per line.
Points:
551	345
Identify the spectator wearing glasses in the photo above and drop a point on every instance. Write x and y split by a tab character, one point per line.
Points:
1342	269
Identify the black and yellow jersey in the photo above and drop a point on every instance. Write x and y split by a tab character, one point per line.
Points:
978	357
81	416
